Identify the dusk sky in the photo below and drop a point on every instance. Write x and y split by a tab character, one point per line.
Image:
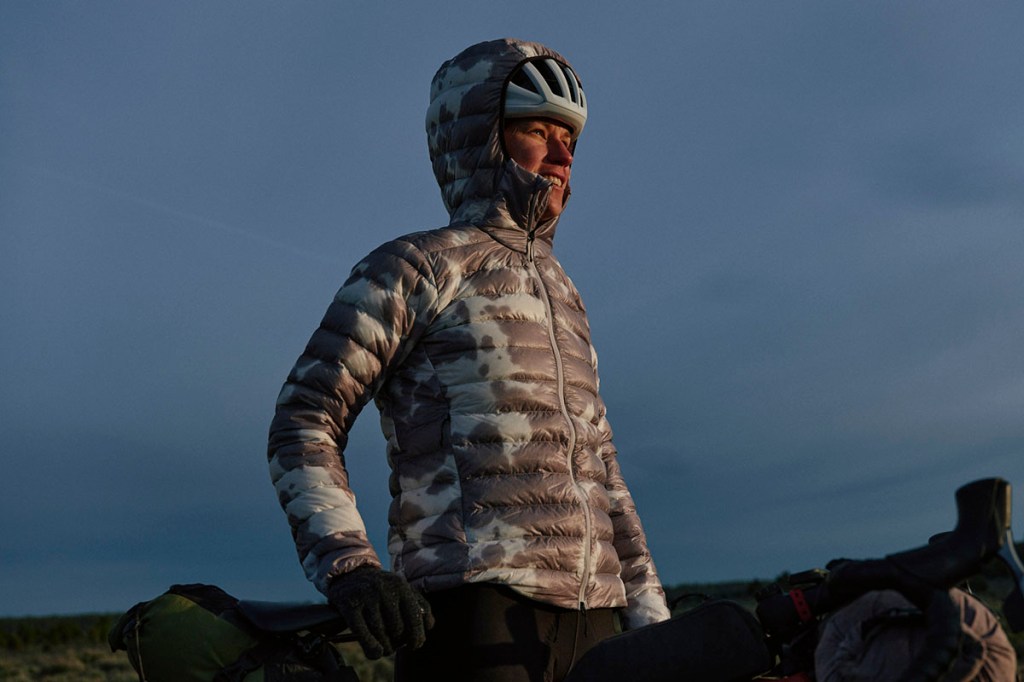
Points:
798	228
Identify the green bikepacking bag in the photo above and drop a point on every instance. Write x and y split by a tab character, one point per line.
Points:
196	633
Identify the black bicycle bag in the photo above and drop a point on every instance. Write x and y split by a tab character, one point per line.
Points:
717	641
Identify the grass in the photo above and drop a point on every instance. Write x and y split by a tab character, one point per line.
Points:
69	662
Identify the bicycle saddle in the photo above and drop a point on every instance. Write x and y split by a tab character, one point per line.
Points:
273	616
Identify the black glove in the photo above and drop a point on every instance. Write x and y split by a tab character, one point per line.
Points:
381	609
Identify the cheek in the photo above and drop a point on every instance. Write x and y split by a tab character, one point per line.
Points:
526	153
508	142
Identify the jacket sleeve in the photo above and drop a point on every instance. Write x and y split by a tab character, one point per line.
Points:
645	596
374	319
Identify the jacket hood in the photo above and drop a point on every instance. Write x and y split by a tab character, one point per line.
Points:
479	183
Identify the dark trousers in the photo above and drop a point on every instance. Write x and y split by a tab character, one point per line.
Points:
488	633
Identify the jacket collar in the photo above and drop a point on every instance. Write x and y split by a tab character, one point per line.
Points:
512	214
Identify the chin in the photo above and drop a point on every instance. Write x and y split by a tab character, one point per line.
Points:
553	212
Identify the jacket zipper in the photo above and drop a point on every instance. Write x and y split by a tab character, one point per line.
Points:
585	577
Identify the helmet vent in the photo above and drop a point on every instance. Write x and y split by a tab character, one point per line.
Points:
520	79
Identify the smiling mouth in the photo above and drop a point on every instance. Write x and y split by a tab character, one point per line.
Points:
555	180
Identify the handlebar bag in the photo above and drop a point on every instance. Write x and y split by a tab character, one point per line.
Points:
195	633
880	635
717	641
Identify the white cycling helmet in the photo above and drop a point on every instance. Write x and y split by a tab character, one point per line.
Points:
546	88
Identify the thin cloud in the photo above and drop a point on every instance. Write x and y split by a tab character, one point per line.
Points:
187	216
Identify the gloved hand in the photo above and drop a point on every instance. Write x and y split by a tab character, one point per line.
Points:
381	609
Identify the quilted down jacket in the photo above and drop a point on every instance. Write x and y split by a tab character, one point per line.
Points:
475	346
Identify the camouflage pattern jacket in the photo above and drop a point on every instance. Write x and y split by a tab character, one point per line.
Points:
476	347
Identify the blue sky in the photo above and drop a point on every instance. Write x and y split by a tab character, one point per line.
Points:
797	227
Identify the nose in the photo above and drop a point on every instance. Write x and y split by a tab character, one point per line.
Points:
558	152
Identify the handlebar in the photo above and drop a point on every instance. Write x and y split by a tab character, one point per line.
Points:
923	575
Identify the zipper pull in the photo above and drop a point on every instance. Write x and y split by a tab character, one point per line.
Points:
529	245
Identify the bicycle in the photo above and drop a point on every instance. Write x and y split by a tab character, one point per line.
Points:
721	641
